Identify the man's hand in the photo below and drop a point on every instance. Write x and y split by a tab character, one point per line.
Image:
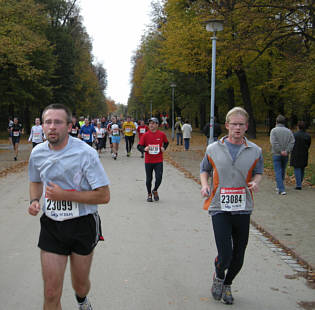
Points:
162	149
253	186
34	208
205	191
54	192
284	153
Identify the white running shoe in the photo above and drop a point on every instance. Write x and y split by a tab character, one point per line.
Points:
86	305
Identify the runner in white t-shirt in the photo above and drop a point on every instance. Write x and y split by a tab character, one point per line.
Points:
37	133
68	174
99	137
115	130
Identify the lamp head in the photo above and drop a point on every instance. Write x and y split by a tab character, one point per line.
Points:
214	25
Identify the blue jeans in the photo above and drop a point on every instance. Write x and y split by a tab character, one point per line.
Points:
186	143
279	165
299	176
179	136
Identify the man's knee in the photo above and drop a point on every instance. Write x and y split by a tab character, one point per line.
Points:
81	287
52	294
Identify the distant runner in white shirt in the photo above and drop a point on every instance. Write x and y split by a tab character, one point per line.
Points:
99	135
37	133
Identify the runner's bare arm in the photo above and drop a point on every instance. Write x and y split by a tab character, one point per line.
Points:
36	190
98	196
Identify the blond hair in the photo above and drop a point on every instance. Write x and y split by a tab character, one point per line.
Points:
236	110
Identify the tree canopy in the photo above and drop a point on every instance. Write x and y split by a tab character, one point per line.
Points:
264	56
46	57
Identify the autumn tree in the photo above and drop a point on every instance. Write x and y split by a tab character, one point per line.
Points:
26	59
260	56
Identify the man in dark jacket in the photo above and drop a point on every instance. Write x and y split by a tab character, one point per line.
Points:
299	155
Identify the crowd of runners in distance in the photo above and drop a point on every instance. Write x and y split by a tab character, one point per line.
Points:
95	132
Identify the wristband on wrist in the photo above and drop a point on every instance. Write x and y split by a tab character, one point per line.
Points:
35	199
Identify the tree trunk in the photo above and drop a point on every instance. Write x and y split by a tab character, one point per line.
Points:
241	74
271	118
26	120
202	113
230	92
196	121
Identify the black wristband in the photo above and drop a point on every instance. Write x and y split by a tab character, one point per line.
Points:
35	199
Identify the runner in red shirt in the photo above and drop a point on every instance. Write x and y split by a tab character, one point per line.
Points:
142	129
153	143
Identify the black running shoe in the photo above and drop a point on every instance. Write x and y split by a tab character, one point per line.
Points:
156	195
149	199
227	295
217	287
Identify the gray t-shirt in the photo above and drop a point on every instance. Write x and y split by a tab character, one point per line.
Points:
75	167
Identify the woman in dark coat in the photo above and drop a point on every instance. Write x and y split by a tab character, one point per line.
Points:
299	155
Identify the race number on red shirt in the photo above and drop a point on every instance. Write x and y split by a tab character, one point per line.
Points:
142	130
154	140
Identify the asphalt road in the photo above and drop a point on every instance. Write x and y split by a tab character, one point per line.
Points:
156	256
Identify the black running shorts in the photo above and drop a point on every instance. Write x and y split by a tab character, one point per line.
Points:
15	140
79	235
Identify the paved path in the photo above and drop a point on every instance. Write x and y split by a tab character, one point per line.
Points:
156	256
290	218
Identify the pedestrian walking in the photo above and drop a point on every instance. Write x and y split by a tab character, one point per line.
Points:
235	166
282	142
186	129
299	155
69	175
179	133
153	143
37	133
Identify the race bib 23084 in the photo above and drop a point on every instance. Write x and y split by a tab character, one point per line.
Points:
232	198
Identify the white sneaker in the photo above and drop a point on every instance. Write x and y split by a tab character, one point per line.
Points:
283	193
86	305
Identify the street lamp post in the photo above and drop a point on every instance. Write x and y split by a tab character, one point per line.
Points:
213	25
173	85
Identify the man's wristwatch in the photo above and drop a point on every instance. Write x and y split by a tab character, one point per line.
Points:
35	199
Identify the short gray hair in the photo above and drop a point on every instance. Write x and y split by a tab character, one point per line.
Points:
236	110
280	119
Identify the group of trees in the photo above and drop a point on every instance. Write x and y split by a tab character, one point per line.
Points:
46	57
265	56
